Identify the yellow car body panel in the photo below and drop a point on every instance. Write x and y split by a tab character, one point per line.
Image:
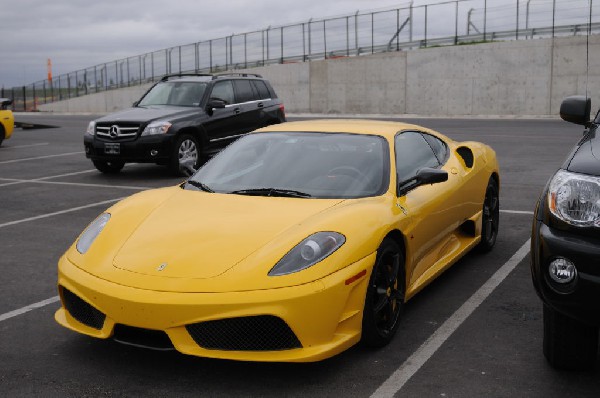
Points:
170	257
7	120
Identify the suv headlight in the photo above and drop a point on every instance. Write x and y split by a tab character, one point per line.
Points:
308	252
157	127
91	129
575	198
91	232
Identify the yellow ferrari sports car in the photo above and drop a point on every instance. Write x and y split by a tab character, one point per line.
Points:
294	243
7	120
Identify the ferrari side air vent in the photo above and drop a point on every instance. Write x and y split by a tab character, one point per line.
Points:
82	311
252	333
467	155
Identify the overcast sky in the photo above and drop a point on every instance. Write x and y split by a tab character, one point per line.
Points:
77	34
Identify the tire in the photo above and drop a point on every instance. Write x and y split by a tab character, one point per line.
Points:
384	300
186	155
568	343
106	167
490	221
1	134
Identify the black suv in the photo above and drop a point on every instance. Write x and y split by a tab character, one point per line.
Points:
182	120
565	248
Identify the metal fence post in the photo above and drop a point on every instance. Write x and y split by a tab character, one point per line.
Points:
517	30
356	33
425	41
456	24
553	15
281	45
347	37
372	33
324	40
484	20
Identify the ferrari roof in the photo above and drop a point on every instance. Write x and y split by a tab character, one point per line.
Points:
358	126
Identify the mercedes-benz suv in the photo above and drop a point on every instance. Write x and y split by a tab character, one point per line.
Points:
565	248
182	120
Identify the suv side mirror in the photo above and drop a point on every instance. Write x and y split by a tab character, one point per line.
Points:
215	103
576	109
424	176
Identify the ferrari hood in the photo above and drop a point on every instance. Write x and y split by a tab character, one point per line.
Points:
201	235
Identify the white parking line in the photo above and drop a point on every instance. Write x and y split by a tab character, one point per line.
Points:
517	212
105	202
24	310
43	180
28	146
399	378
41	157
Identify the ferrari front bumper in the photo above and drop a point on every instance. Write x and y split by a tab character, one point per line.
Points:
302	323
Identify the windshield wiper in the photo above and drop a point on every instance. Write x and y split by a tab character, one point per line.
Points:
199	185
290	193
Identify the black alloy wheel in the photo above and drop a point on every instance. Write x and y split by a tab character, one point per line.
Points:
385	296
108	167
491	217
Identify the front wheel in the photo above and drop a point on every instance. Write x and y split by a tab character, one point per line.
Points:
108	167
568	343
186	156
491	217
385	296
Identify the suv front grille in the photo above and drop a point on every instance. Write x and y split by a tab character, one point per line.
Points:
117	131
253	333
82	311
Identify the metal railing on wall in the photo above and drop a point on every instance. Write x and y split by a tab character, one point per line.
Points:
452	22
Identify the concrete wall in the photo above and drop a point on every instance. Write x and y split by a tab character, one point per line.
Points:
522	78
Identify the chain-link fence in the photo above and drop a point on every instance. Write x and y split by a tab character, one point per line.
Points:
446	23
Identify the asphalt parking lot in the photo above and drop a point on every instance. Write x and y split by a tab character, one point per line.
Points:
474	332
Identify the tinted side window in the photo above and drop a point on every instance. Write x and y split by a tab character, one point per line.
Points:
261	87
223	90
439	147
243	91
412	154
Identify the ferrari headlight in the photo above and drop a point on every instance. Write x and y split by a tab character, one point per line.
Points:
91	232
91	129
575	198
157	127
308	252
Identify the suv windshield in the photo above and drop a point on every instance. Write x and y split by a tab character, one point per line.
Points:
299	164
175	93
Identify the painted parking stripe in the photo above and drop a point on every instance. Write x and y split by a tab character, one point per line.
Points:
41	157
56	213
29	146
412	365
517	212
31	307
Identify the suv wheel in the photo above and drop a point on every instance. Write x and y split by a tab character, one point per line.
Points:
111	167
568	343
186	155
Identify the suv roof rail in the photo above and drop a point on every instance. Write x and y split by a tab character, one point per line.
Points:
240	74
167	77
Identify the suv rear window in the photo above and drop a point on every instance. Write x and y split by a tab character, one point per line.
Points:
261	87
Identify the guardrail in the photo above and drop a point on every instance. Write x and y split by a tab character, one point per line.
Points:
357	34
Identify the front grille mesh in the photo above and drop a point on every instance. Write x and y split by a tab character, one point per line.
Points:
82	311
254	333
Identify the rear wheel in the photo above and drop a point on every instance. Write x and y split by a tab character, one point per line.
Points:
108	167
186	155
385	296
1	134
491	217
568	343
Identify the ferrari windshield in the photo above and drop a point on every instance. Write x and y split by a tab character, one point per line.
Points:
298	164
176	93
